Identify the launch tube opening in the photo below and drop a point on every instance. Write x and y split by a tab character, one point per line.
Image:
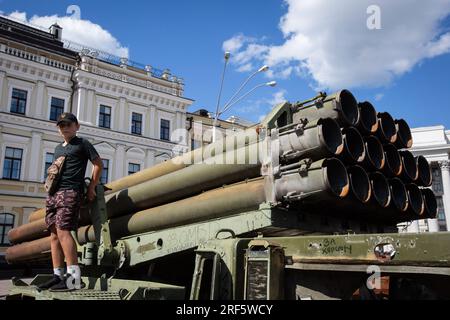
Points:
430	203
368	120
359	183
374	152
336	177
393	159
424	178
387	130
399	194
409	165
404	136
380	189
331	135
415	199
354	144
348	107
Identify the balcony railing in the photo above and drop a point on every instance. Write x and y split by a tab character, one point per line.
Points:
35	58
120	61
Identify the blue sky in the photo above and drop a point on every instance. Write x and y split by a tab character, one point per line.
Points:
403	68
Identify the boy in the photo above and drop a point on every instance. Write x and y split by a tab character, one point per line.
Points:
62	208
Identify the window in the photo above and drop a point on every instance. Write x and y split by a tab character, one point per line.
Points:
136	123
165	130
6	224
440	206
48	163
437	180
104	120
105	170
13	164
56	108
133	168
195	144
18	101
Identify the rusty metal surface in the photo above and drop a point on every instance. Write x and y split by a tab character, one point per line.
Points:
212	204
28	231
27	250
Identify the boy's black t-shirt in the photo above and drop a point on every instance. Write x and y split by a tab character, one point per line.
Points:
77	152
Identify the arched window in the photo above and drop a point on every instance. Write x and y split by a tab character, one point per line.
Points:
6	224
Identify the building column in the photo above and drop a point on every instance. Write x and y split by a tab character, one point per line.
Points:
177	120
39	110
119	161
123	120
445	170
34	157
89	107
150	158
81	105
152	122
3	104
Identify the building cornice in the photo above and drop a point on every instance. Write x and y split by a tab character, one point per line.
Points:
441	147
34	71
117	88
19	122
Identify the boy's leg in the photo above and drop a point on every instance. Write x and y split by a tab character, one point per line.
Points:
68	246
57	253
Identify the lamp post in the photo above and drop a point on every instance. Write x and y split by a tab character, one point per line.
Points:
216	115
262	69
267	84
230	102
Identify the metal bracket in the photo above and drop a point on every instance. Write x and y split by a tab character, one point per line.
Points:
106	253
305	164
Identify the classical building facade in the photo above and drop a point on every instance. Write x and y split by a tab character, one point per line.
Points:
434	144
128	111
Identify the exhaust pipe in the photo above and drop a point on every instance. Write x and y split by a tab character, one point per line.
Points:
410	172
341	106
415	200
353	146
368	120
381	194
374	159
317	140
393	166
431	209
404	136
387	132
424	178
320	180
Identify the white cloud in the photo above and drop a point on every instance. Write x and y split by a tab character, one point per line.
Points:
278	97
329	41
379	96
235	43
78	30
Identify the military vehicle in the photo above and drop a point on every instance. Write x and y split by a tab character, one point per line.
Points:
305	205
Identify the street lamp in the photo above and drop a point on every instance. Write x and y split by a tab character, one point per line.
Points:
267	84
262	69
230	102
226	57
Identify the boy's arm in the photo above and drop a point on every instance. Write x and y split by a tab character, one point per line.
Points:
96	173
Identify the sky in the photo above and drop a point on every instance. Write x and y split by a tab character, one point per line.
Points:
393	53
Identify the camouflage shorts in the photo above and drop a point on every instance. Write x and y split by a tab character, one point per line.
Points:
62	209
